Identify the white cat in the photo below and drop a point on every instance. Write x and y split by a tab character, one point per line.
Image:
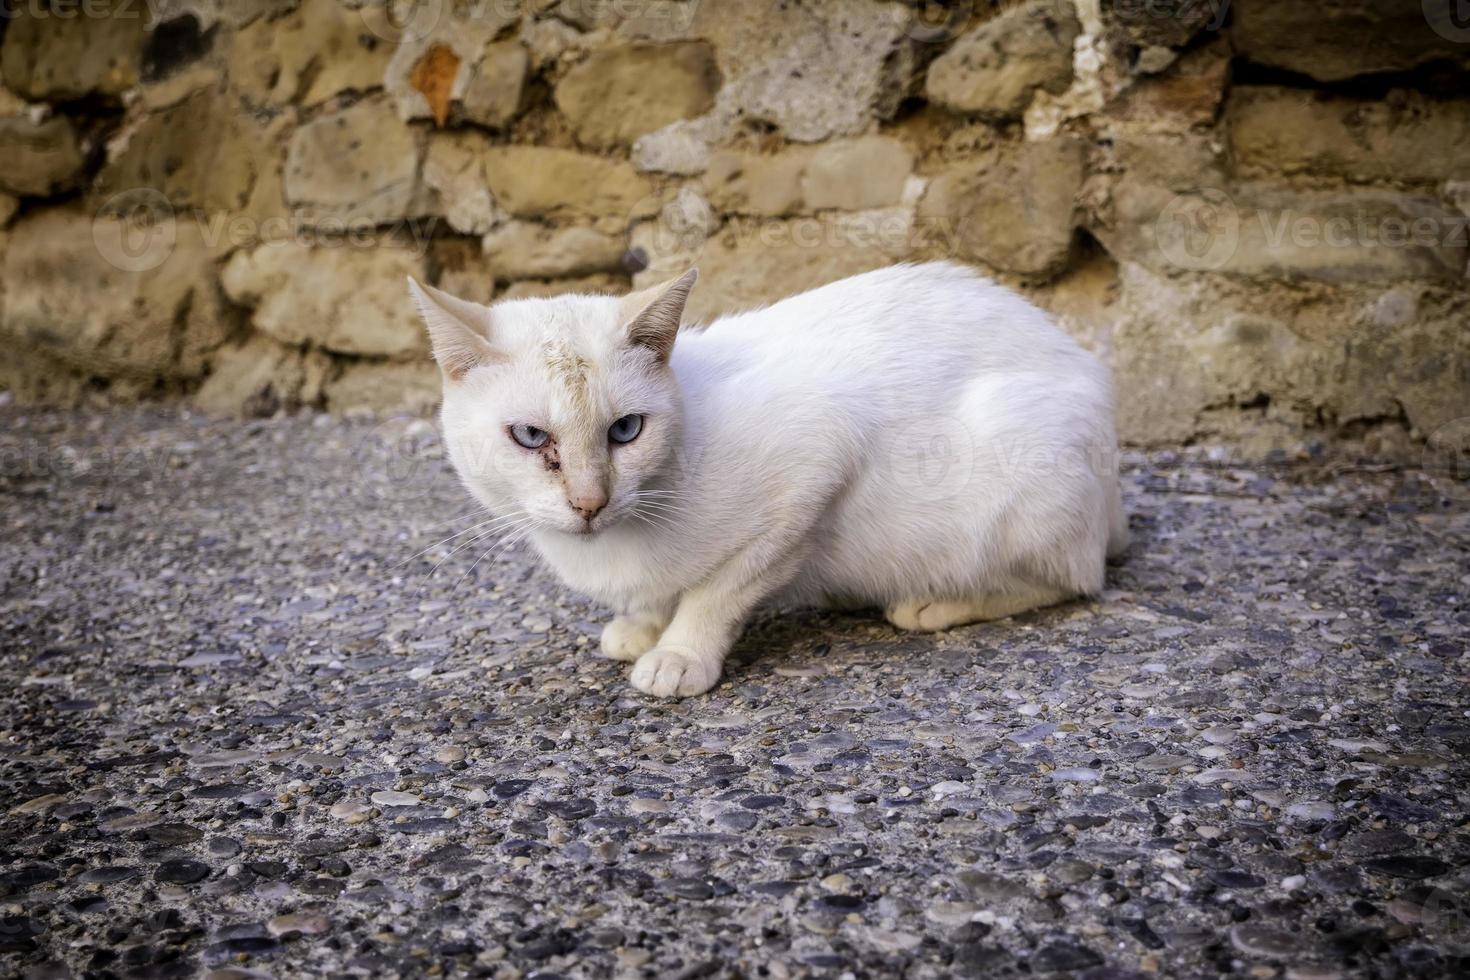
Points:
916	438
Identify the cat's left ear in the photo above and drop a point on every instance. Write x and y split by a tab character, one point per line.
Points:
653	315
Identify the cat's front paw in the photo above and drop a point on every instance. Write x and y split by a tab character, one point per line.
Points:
671	674
628	637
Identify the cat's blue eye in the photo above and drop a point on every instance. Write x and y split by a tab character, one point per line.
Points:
529	436
625	429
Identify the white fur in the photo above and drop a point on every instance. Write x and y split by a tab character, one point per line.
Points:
916	438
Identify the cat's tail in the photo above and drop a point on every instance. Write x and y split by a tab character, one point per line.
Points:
1117	521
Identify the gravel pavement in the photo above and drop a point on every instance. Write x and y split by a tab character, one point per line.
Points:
245	730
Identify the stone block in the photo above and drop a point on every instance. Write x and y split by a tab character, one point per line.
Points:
857	174
1338	39
109	297
1404	137
356	167
996	68
1014	209
541	182
524	250
261	376
317	51
344	297
617	94
385	387
38	158
45	57
202	153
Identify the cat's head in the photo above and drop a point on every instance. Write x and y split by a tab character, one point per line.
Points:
559	410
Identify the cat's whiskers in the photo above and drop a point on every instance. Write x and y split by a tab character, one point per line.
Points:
658	498
516	538
656	502
470	543
482	524
648	519
524	527
455	520
659	507
663	520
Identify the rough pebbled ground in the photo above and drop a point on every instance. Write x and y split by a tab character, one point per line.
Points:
244	729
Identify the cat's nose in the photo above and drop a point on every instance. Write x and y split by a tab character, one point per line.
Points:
588	504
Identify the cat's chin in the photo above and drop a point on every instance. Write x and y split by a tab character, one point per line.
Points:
580	531
584	532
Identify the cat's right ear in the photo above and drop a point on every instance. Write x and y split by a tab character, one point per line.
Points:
455	327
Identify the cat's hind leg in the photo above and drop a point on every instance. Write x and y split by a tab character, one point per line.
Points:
930	615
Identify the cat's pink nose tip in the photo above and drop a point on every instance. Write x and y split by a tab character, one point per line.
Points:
588	505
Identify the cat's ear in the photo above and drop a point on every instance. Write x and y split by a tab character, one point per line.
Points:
653	315
455	327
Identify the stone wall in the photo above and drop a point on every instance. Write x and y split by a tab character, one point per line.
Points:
1256	210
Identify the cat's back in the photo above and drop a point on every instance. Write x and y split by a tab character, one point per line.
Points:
925	324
